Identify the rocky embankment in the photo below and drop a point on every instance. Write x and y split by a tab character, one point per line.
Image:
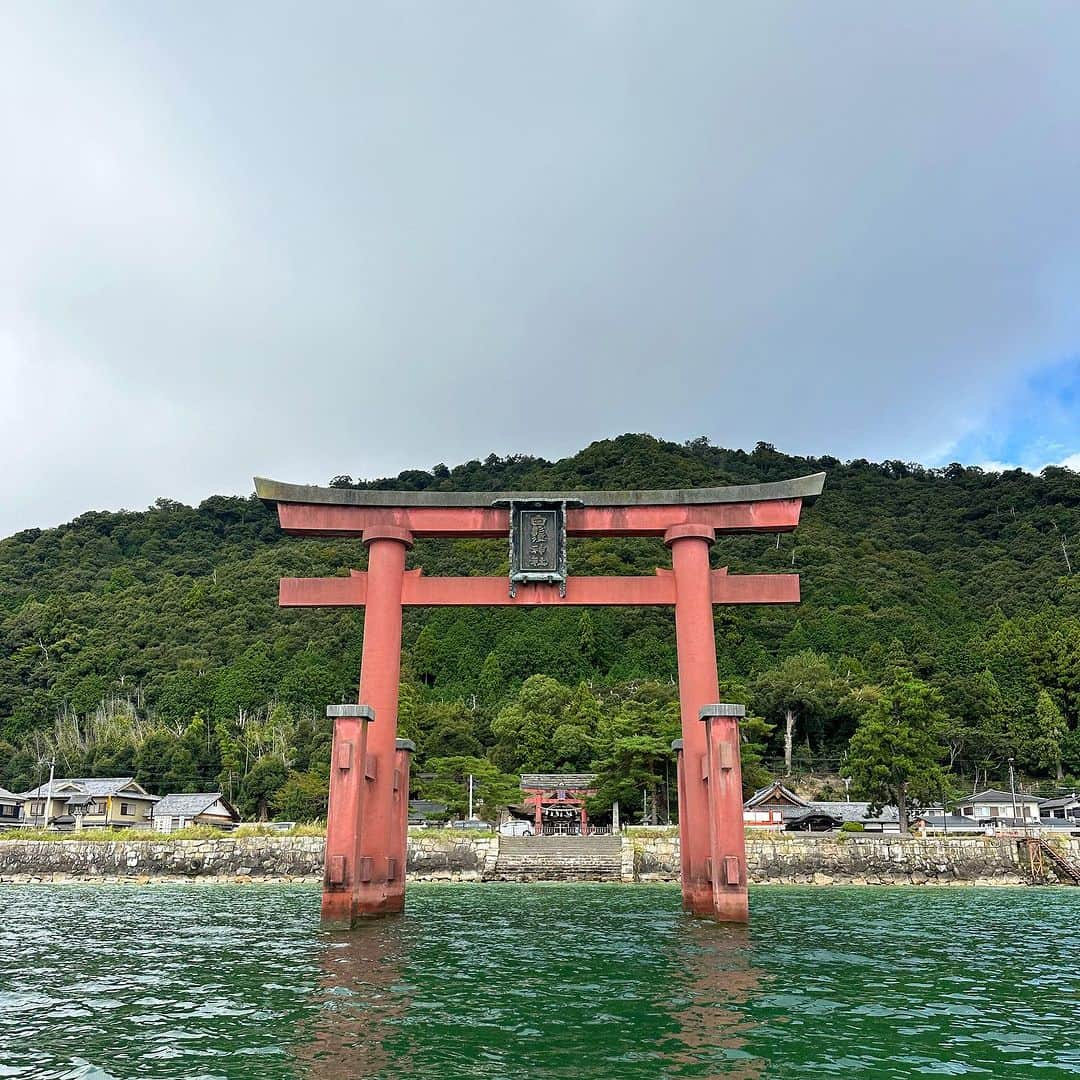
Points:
854	859
646	855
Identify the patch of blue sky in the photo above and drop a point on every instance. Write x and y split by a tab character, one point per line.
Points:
1034	422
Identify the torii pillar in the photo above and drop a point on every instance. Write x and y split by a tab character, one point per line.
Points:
369	785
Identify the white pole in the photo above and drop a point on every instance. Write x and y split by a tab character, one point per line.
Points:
48	792
470	796
644	806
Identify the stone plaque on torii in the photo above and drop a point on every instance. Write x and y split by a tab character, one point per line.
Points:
369	776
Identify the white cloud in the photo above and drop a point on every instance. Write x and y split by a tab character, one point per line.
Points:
364	238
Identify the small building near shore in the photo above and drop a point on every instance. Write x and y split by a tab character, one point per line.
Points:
204	808
1064	808
777	807
821	816
996	807
109	802
941	824
10	809
765	808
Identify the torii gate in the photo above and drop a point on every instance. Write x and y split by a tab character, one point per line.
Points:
369	781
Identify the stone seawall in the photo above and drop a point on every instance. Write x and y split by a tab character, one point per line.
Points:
808	859
228	858
647	855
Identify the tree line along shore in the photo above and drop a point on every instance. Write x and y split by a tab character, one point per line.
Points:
938	637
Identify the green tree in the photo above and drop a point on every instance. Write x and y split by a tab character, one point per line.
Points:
524	728
446	780
895	754
633	765
802	685
633	747
754	733
302	797
491	681
260	786
1043	747
450	730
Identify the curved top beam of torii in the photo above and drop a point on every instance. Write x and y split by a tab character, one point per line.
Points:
801	487
317	511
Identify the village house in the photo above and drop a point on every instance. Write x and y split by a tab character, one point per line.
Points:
205	808
765	808
777	807
999	807
1064	808
115	802
10	809
937	823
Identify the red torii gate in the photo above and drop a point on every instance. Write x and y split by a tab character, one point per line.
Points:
369	782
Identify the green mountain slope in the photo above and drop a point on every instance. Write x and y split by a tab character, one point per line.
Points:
122	626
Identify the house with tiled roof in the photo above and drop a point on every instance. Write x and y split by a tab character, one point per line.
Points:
1060	808
10	809
994	807
777	807
765	809
201	808
114	802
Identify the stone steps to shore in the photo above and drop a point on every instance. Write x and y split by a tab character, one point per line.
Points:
560	858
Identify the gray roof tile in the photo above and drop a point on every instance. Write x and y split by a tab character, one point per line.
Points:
995	797
558	781
187	805
99	785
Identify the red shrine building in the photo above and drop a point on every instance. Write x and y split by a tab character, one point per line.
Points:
557	802
369	775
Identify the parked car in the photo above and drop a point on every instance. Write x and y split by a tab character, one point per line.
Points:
473	824
516	827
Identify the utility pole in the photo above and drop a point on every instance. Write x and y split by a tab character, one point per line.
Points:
470	796
1012	787
48	793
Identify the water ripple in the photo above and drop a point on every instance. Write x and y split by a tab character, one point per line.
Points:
537	982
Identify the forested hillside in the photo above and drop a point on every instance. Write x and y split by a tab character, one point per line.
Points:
939	602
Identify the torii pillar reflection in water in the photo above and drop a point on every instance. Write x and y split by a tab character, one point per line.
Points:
369	783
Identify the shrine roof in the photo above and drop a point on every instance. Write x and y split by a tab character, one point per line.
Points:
800	487
558	781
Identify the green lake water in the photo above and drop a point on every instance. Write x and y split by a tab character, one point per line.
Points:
538	982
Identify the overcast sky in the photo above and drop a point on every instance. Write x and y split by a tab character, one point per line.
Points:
297	239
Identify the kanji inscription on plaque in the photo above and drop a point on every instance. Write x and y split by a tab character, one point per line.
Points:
538	544
539	540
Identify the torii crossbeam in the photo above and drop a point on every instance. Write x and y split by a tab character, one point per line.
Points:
369	782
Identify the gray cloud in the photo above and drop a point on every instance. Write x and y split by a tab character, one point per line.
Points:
260	238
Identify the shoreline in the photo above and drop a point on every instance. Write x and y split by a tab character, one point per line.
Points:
636	858
242	881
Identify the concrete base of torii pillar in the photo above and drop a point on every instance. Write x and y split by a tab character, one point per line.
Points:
715	777
345	809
